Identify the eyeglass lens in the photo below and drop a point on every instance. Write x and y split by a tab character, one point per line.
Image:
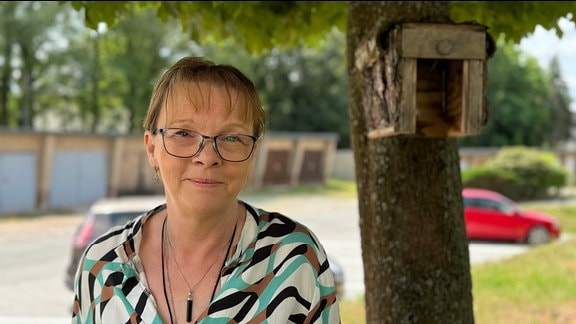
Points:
185	143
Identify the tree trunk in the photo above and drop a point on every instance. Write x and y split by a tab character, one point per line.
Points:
27	85
414	244
95	76
5	75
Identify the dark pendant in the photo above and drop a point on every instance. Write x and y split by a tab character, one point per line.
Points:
189	310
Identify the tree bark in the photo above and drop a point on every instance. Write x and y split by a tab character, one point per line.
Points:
413	237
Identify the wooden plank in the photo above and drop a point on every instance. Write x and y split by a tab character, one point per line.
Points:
407	105
443	41
473	98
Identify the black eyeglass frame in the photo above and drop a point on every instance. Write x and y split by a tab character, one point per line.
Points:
162	131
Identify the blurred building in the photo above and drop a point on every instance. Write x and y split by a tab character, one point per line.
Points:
53	170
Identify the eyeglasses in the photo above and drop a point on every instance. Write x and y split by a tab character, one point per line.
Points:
184	143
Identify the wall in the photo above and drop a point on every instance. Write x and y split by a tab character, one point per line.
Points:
343	167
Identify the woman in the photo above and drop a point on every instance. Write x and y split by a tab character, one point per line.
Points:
205	256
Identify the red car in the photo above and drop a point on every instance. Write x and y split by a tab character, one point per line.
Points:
490	215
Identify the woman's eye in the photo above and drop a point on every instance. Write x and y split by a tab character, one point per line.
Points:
231	138
182	133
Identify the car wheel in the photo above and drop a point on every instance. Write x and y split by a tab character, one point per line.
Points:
538	235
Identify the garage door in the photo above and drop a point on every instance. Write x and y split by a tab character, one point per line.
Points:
78	178
17	182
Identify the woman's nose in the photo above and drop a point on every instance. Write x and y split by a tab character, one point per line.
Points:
208	153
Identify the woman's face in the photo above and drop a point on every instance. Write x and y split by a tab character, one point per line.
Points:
204	182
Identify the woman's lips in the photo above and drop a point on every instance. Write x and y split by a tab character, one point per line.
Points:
204	182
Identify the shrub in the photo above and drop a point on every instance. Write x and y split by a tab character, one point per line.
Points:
520	173
500	180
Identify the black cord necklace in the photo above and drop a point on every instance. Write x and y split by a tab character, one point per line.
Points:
189	301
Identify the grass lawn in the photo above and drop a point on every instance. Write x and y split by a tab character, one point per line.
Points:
538	287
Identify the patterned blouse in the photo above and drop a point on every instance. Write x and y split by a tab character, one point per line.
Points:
278	273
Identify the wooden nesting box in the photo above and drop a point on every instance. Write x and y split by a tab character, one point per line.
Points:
435	78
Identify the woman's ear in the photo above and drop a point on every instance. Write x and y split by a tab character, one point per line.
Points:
150	148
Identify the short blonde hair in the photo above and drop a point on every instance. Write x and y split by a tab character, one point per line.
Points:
196	70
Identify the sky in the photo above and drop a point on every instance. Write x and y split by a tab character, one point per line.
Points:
544	45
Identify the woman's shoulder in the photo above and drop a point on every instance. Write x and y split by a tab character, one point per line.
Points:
265	217
113	238
120	241
275	226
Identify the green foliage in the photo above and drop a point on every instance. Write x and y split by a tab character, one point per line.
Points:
259	25
559	104
132	59
520	173
29	26
263	25
97	12
538	169
515	19
501	180
305	89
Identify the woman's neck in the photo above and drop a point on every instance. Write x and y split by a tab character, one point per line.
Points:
193	234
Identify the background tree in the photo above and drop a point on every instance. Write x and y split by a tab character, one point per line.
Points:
303	88
136	52
31	44
306	90
70	83
558	102
7	19
34	62
517	93
21	45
